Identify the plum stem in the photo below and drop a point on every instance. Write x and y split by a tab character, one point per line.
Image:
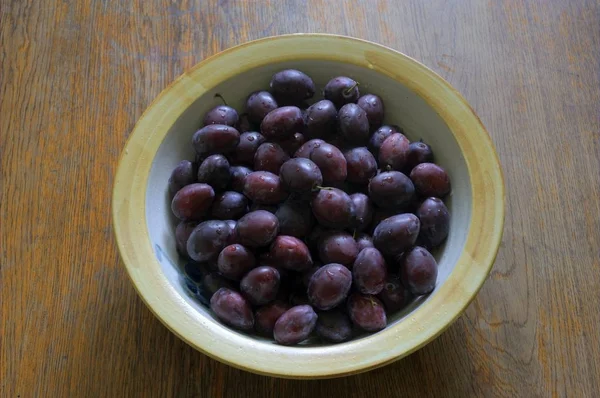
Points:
349	89
217	95
324	188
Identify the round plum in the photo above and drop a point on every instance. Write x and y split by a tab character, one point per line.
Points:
361	165
295	325
338	247
232	309
418	270
435	222
257	228
353	124
264	187
290	253
430	180
215	138
396	234
235	261
329	286
341	90
258	104
300	175
192	202
208	239
260	285
182	175
320	119
369	271
373	107
391	190
221	114
333	208
367	312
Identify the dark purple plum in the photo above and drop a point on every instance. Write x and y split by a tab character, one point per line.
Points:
373	107
229	205
306	149
333	208
192	202
183	174
282	123
363	210
314	238
338	247
208	239
246	148
258	104
341	90
430	180
329	286
320	119
221	114
300	175
380	135
232	309
295	325
369	271
293	85
213	281
270	157
215	171
391	190
418	152
257	228
353	124
418	270
394	152
196	271
331	162
235	261
361	165
290	253
258	206
396	234
260	285
215	138
264	187
367	312
435	222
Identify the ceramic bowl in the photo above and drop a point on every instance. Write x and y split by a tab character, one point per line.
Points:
416	98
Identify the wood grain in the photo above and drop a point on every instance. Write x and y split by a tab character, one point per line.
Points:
74	78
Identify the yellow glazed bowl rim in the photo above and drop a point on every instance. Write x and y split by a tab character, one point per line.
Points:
421	326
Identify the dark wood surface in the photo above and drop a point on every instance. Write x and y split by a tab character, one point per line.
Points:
76	75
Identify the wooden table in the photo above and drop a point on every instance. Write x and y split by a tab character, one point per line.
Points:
76	75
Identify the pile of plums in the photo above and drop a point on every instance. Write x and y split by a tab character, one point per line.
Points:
298	219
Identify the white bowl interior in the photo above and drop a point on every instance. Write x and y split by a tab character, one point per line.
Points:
403	107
